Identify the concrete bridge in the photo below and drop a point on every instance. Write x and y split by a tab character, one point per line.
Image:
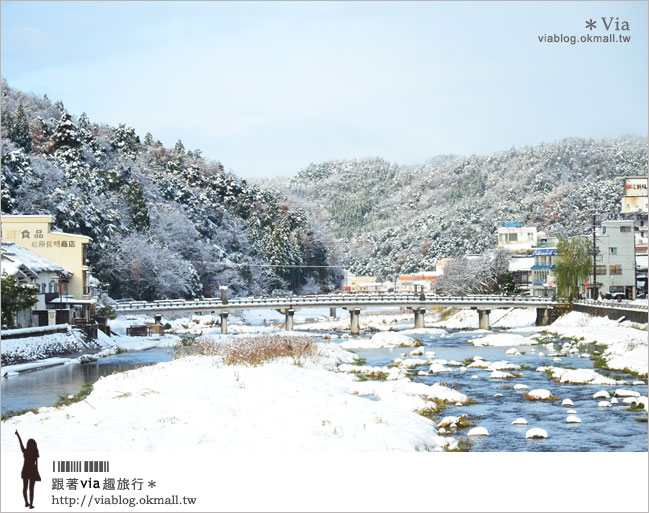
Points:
353	303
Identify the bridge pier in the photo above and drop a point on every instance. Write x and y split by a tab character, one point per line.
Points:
224	323
419	317
288	315
332	313
483	319
354	320
542	316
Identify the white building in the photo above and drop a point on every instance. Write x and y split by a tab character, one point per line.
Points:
516	238
616	259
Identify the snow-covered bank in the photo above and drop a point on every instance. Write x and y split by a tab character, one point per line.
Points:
627	344
27	349
274	407
499	318
43	351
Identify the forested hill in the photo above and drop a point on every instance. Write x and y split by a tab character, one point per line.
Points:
388	218
165	222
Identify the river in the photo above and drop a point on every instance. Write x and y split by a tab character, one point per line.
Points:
601	429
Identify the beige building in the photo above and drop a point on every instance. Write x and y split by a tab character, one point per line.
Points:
516	238
65	249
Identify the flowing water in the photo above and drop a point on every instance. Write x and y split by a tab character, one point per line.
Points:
601	429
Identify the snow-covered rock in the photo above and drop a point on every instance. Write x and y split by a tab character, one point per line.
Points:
503	365
604	404
520	421
411	363
478	431
614	400
500	375
498	395
580	376
602	394
478	364
520	386
474	377
571	412
437	368
567	402
572	419
381	340
536	433
503	339
539	394
621	392
448	421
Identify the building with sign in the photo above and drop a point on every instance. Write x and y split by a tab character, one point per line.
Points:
635	206
70	251
635	195
616	259
516	238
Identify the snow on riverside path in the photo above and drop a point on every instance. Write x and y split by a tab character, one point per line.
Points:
197	403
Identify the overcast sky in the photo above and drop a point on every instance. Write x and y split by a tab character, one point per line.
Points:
267	88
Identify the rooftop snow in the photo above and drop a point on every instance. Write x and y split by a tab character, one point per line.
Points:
35	263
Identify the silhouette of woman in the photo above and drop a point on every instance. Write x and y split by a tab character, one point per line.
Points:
30	469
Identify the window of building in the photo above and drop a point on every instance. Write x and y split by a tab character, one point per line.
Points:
612	251
601	270
513	237
615	269
53	287
625	229
43	288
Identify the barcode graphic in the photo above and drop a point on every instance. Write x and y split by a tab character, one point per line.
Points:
79	466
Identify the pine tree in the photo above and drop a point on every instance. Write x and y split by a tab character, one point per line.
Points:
138	207
148	139
179	148
20	130
7	121
67	139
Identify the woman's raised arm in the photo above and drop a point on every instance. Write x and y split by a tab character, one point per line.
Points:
22	447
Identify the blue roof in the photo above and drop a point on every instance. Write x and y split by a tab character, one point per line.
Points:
543	266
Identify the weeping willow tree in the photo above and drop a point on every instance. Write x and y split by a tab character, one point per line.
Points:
573	267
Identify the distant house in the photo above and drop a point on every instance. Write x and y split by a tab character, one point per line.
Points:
51	280
521	269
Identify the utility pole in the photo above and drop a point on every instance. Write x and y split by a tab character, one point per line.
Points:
595	295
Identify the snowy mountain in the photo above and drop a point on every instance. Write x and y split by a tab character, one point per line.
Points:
386	218
165	222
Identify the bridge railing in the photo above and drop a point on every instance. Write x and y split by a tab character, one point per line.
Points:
613	304
340	299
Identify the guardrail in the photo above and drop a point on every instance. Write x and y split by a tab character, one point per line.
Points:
622	305
335	300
